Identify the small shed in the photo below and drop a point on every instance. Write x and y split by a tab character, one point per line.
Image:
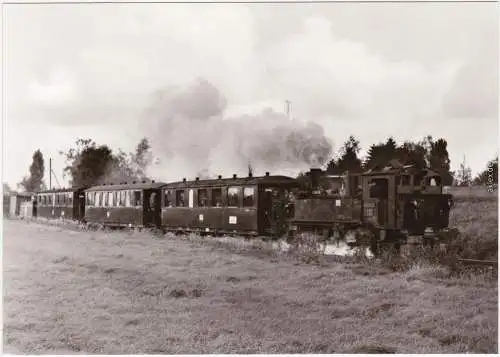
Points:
16	199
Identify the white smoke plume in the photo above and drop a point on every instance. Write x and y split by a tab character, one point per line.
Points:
191	137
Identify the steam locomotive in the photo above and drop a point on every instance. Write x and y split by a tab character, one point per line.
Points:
391	205
381	208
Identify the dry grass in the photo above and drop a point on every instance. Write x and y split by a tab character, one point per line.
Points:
68	291
477	221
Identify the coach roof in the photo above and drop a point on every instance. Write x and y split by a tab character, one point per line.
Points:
249	180
127	186
60	190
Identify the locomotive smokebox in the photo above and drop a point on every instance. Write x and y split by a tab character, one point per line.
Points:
315	175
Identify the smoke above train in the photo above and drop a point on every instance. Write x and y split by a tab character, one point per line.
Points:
191	133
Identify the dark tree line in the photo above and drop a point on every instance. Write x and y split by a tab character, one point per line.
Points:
34	181
89	164
423	154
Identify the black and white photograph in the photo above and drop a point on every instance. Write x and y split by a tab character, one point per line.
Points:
268	177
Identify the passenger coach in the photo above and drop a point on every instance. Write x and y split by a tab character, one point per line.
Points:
136	204
60	203
248	205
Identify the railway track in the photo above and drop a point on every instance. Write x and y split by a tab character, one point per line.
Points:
479	263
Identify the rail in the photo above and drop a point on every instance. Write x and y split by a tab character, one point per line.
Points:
491	263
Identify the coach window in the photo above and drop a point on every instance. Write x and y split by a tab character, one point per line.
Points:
128	198
248	197
179	198
233	195
202	197
167	199
137	198
216	197
115	198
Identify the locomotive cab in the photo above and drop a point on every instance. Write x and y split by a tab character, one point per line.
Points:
404	201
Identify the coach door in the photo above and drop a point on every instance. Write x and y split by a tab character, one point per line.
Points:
151	208
79	203
271	211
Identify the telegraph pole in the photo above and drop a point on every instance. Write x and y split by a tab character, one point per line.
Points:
287	108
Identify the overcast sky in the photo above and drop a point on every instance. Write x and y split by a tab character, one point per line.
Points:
371	70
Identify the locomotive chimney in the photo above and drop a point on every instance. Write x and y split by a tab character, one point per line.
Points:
315	175
267	173
234	176
219	177
197	179
184	179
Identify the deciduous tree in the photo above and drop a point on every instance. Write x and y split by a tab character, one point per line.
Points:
34	182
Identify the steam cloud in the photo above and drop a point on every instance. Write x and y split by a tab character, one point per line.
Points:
191	137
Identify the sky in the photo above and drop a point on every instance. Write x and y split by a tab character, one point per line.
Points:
368	70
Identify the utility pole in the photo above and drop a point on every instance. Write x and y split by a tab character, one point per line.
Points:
287	108
50	173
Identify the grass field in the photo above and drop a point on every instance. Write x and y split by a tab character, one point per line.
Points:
68	291
477	219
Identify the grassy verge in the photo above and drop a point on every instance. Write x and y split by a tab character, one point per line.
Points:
68	291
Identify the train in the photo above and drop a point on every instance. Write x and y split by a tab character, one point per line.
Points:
387	206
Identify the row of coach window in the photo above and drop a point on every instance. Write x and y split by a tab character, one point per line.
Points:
124	198
210	197
57	199
175	198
